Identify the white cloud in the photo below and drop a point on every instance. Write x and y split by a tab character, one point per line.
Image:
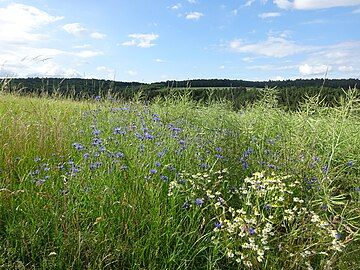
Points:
284	4
176	6
160	60
272	47
307	69
88	53
269	15
75	29
132	73
249	3
19	22
141	40
346	68
222	67
194	15
234	12
83	46
311	4
97	35
192	1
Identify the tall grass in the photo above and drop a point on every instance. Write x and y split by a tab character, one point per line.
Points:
178	185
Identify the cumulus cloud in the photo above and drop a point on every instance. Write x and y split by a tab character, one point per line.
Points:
307	69
176	6
19	23
269	15
311	4
272	47
194	15
75	29
97	35
141	40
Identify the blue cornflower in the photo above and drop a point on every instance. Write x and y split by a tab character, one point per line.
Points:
119	155
357	189
350	163
325	169
218	149
219	156
97	141
181	142
153	171
199	201
157	164
218	224
96	132
119	131
148	136
251	231
97	98
267	207
86	155
272	166
78	146
186	205
164	178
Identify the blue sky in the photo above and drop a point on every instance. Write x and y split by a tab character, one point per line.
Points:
155	40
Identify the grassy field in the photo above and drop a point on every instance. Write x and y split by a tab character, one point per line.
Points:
178	185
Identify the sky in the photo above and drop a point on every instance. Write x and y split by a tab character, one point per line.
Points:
158	40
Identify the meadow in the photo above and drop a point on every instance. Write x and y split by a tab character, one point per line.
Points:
178	184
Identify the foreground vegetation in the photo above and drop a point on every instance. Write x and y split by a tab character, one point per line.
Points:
178	185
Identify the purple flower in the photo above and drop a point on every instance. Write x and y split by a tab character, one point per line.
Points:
251	231
186	205
96	132
157	164
148	136
164	178
325	169
217	224
153	171
350	163
119	155
199	201
218	149
78	146
119	131
267	207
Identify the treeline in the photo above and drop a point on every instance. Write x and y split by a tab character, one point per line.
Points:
289	93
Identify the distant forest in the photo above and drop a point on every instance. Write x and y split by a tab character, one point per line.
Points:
290	93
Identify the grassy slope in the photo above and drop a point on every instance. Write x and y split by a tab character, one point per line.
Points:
117	214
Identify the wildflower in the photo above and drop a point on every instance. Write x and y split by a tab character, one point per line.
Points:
325	169
251	231
119	155
350	163
199	201
78	146
153	171
86	155
357	189
217	225
119	131
267	207
97	98
218	149
157	164
164	178
96	132
219	156
185	206
148	136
